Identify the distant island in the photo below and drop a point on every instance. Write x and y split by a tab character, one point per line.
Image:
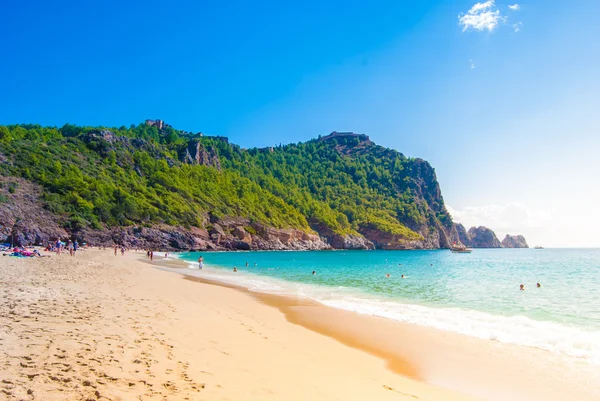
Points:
152	186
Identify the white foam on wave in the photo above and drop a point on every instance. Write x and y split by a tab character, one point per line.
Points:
520	330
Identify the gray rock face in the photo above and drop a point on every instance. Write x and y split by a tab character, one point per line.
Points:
196	153
23	219
104	135
351	242
514	241
483	237
463	236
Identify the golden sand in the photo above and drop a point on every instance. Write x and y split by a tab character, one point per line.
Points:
100	327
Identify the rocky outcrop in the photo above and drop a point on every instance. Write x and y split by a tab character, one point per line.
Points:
160	237
514	241
105	141
196	153
437	230
483	237
384	240
219	237
104	135
463	235
23	219
350	241
279	239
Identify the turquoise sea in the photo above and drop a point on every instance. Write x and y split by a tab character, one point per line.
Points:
475	294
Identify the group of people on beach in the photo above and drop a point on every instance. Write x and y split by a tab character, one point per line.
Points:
59	247
21	252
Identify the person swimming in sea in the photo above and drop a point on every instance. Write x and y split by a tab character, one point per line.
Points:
403	276
522	287
314	272
539	285
388	275
246	264
235	269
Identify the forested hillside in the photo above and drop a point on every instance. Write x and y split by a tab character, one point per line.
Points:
151	186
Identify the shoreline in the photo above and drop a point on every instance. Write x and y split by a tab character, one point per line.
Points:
555	335
103	327
515	367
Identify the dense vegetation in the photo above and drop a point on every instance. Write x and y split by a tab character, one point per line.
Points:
340	185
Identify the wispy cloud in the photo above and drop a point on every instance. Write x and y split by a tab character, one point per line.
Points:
471	64
481	16
545	224
509	218
517	26
515	7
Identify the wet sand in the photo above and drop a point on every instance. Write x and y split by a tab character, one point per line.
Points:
481	368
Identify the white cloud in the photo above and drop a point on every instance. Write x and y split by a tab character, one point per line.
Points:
481	16
515	7
472	64
517	26
548	225
512	218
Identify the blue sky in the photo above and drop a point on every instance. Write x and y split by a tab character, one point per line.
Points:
503	101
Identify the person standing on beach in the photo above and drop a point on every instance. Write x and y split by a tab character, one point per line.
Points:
115	249
200	263
151	255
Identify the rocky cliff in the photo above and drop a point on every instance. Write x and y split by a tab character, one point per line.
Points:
23	218
514	241
477	237
483	237
463	235
195	153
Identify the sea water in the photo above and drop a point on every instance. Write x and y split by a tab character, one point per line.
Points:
475	294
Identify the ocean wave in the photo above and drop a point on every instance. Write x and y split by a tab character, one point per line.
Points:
519	330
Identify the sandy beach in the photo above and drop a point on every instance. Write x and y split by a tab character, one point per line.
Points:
100	327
